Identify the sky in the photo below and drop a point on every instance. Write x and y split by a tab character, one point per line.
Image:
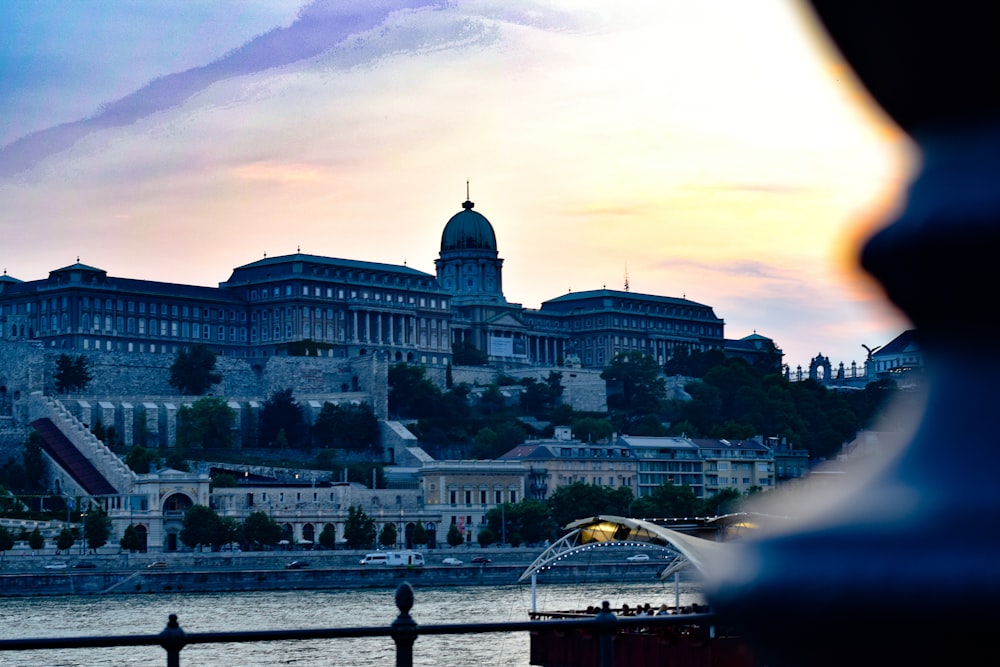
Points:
717	151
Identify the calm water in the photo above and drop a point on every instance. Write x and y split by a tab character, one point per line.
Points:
213	612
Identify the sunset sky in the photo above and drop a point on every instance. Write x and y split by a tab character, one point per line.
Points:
714	150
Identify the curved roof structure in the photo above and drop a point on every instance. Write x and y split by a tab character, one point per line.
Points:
615	530
468	230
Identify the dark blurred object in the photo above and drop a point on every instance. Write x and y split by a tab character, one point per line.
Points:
905	569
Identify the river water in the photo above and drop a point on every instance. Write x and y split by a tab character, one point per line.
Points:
273	610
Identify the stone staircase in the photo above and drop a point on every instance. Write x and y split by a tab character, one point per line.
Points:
86	459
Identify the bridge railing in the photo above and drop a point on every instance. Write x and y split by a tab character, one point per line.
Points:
404	631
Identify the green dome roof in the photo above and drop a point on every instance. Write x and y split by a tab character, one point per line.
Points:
468	230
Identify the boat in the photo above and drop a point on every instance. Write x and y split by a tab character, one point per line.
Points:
668	636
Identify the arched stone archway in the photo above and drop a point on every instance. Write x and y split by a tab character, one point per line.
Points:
820	363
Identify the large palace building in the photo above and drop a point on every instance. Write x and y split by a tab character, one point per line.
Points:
344	308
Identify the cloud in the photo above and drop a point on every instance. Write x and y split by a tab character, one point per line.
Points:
321	26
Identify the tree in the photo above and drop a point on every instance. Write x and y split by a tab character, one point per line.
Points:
328	536
282	421
207	423
36	540
359	528
260	530
491	443
388	536
420	537
592	429
65	540
579	500
223	480
530	520
193	370
455	537
347	426
202	526
485	537
34	462
667	501
411	392
131	540
72	373
96	527
6	540
141	459
464	353
635	387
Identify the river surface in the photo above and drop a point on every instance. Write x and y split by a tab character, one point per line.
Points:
274	610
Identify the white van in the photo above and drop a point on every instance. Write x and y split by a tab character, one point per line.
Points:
394	558
412	558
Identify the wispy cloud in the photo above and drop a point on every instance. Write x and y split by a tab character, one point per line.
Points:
321	26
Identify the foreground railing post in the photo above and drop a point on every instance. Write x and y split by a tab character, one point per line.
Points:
172	640
404	628
607	624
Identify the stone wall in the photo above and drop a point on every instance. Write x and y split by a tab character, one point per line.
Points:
583	389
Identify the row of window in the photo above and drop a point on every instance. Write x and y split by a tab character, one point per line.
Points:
340	293
482	496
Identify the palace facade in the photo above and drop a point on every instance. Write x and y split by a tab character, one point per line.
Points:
307	304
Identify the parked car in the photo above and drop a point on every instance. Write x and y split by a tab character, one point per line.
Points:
157	565
56	566
83	565
638	557
297	565
451	561
481	560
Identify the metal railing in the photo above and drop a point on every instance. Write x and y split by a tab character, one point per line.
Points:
404	631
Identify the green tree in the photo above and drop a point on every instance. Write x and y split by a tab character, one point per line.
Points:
667	501
141	459
131	540
635	388
65	540
223	480
6	541
454	537
232	531
72	373
579	501
34	462
328	536
193	370
486	537
261	531
359	528
592	429
347	426
96	527
207	423
202	527
282	419
464	353
36	540
531	520
420	537
491	443
411	392
388	536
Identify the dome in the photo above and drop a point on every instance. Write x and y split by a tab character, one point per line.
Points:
468	230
